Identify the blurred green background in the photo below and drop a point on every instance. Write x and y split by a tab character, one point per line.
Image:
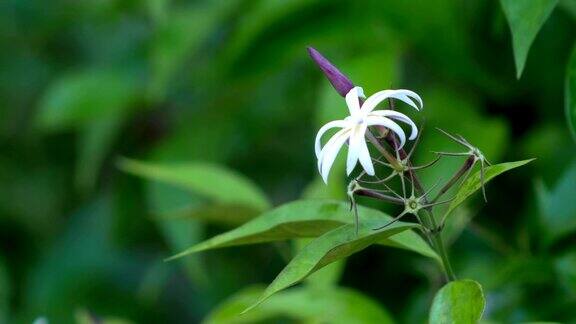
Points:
210	90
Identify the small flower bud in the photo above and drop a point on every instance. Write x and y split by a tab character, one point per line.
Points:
339	81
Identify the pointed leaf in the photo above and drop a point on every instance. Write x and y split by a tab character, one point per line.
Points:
474	183
565	266
460	301
214	182
94	142
301	304
525	18
79	98
173	40
571	93
306	218
296	219
558	206
332	246
409	240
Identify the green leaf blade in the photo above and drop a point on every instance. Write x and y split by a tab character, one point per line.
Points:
525	18
558	206
474	182
79	98
297	219
301	304
330	247
214	182
460	301
306	218
570	94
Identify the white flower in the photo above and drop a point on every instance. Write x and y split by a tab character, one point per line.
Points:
353	128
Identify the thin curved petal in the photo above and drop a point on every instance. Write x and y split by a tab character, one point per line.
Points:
324	129
330	151
405	95
392	114
353	99
345	132
401	94
364	158
383	121
356	137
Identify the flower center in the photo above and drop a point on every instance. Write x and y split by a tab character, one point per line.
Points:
357	119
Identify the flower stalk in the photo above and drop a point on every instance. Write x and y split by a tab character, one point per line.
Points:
378	195
391	159
434	234
465	169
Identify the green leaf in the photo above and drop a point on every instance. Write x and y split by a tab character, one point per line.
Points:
525	18
83	253
565	266
76	99
326	277
570	94
304	218
296	219
168	203
259	18
83	316
411	241
461	114
474	183
209	180
460	301
94	142
301	304
569	6
332	246
558	206
229	215
5	292
179	35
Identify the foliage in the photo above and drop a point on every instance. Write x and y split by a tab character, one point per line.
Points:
525	19
459	301
131	131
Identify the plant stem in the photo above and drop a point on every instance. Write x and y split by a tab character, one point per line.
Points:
463	170
392	160
435	239
441	250
376	195
433	234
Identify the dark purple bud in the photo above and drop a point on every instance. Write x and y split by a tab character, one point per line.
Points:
339	81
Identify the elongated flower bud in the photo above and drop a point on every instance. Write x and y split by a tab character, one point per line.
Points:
339	81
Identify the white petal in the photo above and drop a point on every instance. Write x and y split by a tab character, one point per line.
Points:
330	151
353	99
398	116
402	95
405	95
324	129
356	137
383	121
364	157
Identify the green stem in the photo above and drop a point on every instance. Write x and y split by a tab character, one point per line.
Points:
441	250
433	233
435	238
